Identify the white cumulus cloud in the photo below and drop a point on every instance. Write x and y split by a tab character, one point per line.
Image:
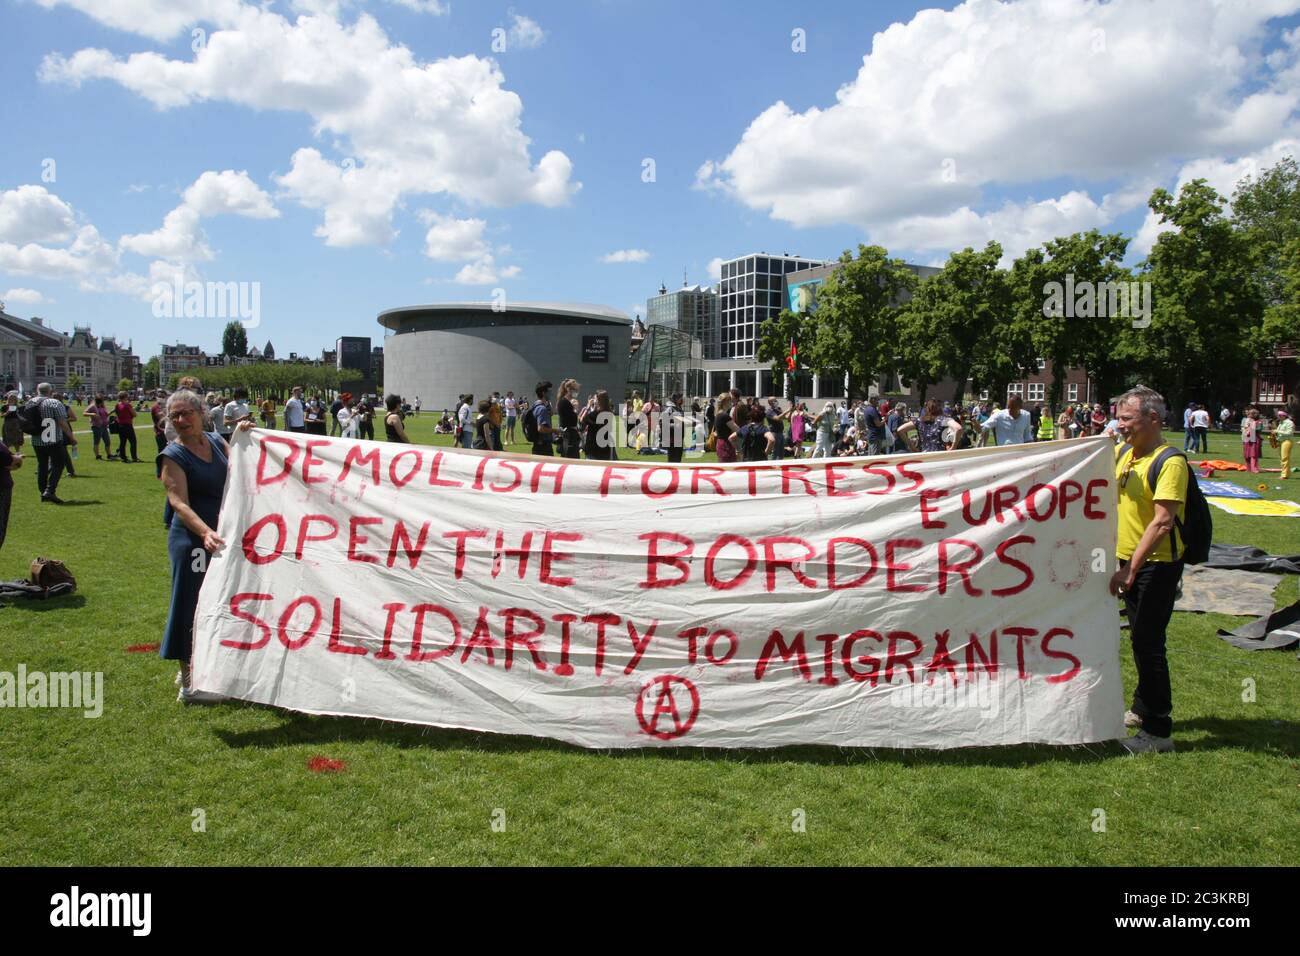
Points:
180	238
31	213
626	255
404	126
525	33
436	7
21	297
1005	96
454	240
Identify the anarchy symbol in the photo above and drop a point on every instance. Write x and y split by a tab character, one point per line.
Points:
666	705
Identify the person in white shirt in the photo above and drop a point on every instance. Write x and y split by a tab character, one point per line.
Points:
294	418
512	411
465	415
1201	430
349	420
1009	426
217	412
236	411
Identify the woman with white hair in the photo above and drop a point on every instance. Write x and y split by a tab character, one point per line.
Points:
825	426
193	470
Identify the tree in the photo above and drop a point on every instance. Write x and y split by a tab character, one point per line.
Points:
1267	210
126	385
1072	297
1281	325
952	324
234	340
1208	301
853	327
75	382
151	372
775	336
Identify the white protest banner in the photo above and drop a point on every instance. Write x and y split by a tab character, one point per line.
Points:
935	600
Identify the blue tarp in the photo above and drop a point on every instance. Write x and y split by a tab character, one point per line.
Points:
1225	489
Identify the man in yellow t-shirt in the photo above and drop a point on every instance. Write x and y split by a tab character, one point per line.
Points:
1150	553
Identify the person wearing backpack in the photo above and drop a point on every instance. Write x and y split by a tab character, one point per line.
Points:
756	438
1163	523
537	422
46	420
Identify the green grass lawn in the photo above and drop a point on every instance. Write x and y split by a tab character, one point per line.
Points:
125	788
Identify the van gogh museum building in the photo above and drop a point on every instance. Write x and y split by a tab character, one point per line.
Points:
442	351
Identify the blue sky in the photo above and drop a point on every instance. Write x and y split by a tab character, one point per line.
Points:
345	164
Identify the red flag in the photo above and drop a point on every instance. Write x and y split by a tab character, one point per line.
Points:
790	362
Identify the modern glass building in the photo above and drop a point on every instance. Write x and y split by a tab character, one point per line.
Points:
752	290
690	309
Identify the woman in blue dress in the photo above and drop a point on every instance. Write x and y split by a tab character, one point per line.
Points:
192	468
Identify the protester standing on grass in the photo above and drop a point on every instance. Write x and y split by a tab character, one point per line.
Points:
935	431
10	461
1189	436
98	415
756	438
496	418
1150	561
236	411
672	428
1046	430
599	427
825	426
1282	437
364	416
1201	430
314	416
567	408
12	434
68	467
394	430
512	409
49	442
1252	442
1011	426
541	413
158	414
724	428
193	470
294	413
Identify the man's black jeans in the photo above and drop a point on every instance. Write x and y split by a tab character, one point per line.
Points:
1149	604
125	434
49	468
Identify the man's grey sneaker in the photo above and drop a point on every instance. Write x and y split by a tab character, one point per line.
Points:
187	696
1144	743
1131	719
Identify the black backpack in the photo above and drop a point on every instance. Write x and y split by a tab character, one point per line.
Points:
1197	526
753	442
29	417
530	423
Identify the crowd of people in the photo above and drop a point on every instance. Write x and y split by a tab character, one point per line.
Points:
192	429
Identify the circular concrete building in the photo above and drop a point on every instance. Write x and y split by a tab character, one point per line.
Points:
442	351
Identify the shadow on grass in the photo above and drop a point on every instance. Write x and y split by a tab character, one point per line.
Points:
296	729
1270	736
78	502
51	604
